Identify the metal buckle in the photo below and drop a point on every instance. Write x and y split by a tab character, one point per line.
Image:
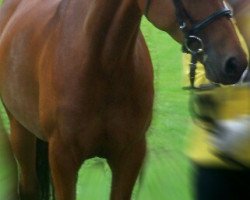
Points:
183	25
194	45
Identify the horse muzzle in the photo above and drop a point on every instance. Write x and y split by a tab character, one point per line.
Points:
234	69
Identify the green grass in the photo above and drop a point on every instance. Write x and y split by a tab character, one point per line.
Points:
165	175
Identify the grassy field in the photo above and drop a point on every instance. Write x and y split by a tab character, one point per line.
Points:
165	175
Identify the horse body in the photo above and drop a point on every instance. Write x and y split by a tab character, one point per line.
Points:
67	84
67	72
77	74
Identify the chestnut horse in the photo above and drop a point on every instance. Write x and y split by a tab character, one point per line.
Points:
77	75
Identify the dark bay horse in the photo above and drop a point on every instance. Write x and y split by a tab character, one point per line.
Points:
77	74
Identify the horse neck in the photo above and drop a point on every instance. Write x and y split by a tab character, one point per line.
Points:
112	29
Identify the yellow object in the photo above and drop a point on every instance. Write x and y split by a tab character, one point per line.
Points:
231	101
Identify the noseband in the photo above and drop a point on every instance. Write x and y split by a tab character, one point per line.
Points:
192	43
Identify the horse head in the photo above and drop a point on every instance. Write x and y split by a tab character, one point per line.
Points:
206	29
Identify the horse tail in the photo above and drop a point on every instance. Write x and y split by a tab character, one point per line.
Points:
43	171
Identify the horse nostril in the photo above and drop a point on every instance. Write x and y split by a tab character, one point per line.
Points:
232	66
234	70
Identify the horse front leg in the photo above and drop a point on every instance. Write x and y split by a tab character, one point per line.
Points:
64	166
125	168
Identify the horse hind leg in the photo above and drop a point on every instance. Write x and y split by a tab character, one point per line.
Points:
125	168
24	147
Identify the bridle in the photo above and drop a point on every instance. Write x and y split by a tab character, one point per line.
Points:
197	50
193	44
